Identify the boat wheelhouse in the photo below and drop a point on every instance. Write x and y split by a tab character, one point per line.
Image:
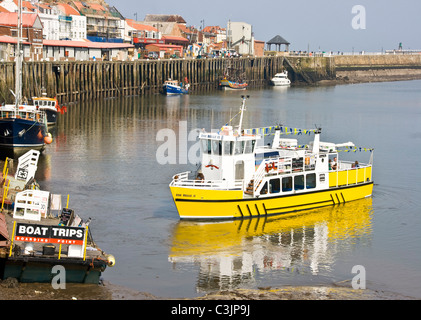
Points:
49	105
240	179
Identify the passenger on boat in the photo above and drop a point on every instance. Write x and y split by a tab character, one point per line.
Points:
334	164
200	176
355	165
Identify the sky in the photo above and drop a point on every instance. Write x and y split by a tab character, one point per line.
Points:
317	25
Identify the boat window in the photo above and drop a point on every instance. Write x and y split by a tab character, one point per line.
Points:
275	185
299	182
239	147
264	190
36	102
286	184
311	181
249	146
297	164
216	147
206	146
228	147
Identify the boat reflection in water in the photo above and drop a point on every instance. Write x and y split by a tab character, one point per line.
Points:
232	254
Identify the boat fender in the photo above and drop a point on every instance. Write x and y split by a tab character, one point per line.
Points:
48	138
111	260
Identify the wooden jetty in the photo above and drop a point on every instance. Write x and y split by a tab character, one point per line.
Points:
71	81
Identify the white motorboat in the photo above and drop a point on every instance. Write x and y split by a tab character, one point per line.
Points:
281	79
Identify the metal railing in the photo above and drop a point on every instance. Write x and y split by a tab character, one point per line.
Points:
182	180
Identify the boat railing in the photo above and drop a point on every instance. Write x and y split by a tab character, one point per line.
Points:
182	180
271	166
346	174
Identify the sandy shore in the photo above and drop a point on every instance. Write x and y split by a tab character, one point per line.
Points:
12	290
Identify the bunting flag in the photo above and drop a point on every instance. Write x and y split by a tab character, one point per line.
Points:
265	131
355	149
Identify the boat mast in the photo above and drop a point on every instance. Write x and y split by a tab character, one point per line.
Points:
241	115
18	80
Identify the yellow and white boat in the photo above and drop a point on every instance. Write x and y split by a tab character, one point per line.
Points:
239	179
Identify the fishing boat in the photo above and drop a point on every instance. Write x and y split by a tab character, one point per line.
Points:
281	79
50	106
233	79
22	126
226	84
173	87
238	178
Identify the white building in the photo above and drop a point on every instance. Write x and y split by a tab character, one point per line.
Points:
72	25
240	37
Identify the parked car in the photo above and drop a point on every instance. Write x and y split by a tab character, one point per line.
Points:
153	55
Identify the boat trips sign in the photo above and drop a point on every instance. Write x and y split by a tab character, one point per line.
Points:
49	234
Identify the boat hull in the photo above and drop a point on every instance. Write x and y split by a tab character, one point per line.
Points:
231	85
51	116
174	90
192	204
39	270
19	135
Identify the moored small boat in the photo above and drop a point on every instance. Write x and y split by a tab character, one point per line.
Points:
226	84
239	179
50	106
281	79
174	87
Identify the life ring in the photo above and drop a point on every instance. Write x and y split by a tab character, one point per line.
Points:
212	166
273	166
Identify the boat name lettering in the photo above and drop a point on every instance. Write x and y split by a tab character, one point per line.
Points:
53	234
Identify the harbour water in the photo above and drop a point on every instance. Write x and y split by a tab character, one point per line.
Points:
104	155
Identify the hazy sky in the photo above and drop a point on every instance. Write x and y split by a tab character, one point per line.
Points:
318	24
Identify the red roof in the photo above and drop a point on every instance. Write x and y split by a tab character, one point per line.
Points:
8	39
86	44
141	27
175	38
67	9
11	19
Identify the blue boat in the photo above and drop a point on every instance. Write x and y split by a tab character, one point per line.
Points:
22	126
172	87
22	129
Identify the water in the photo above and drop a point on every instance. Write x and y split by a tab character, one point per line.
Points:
104	157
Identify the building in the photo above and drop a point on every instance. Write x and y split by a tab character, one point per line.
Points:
86	50
165	50
31	32
49	16
103	24
215	34
171	27
141	34
240	37
259	48
72	25
8	48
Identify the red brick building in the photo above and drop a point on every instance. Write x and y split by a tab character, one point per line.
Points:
31	32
